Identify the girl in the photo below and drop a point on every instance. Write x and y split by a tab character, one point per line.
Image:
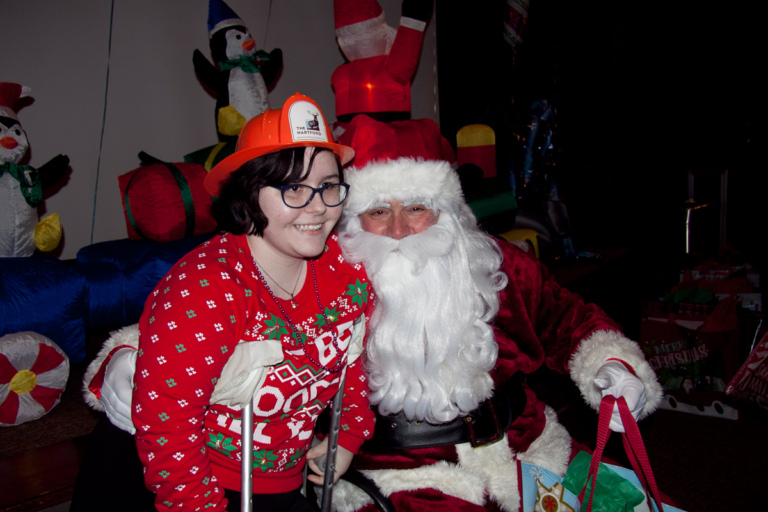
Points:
264	310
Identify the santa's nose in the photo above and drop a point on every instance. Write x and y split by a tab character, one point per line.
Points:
9	142
398	227
248	45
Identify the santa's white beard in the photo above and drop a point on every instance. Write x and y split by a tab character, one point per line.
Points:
430	347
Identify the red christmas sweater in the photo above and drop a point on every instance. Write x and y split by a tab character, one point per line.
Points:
210	301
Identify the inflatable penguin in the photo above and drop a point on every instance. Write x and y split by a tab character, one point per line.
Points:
21	186
241	75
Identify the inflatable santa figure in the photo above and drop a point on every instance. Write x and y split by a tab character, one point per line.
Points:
374	85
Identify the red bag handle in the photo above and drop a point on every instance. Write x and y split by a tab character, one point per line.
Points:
638	457
633	446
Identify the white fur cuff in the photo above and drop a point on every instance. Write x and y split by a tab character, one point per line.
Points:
594	351
126	336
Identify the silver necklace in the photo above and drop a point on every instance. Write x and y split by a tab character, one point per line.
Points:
294	305
297	330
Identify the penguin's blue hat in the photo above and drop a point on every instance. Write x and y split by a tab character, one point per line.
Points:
220	16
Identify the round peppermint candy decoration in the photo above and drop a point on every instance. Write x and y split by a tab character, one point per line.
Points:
33	374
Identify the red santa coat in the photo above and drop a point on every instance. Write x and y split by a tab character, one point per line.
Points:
539	323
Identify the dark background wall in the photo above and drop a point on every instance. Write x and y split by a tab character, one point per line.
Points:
645	91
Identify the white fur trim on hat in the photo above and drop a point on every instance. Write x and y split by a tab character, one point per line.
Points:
231	22
594	351
404	180
347	27
8	112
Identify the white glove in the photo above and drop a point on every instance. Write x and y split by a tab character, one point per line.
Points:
615	379
117	388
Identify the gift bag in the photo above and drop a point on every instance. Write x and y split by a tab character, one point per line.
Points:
543	491
750	384
596	492
694	350
613	492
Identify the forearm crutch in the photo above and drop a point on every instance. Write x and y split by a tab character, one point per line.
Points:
246	458
333	444
246	451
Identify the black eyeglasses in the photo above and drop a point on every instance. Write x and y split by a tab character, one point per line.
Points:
299	196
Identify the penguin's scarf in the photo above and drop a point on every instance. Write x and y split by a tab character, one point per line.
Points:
29	180
245	62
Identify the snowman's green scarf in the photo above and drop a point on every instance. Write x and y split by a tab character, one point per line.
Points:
28	179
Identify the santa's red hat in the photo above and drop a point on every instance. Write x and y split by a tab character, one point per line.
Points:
355	16
378	141
10	93
402	160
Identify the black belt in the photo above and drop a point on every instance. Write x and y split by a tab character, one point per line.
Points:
485	425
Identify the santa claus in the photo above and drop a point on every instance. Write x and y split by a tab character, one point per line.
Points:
461	319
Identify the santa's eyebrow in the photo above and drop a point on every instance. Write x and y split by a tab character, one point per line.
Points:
425	202
379	205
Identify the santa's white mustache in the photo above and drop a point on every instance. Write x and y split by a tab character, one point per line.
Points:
374	250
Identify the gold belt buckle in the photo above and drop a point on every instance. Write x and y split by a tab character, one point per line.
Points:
473	440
